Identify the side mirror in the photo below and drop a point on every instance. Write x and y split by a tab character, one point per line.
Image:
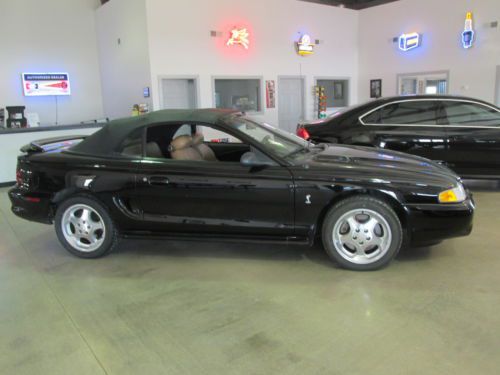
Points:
251	159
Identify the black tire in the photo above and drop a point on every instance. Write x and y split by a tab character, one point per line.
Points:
349	205
109	237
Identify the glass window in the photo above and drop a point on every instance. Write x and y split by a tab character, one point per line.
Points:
410	112
240	94
336	92
471	114
132	145
275	141
408	86
212	135
436	86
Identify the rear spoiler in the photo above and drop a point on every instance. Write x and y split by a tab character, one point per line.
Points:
59	142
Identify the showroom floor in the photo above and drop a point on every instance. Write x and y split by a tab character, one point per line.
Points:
194	308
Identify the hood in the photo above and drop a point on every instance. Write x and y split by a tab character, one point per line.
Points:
380	164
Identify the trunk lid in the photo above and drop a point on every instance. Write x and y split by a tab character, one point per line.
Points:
56	144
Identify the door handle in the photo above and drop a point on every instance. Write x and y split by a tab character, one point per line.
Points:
158	180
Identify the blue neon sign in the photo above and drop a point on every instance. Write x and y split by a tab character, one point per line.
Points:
409	41
468	33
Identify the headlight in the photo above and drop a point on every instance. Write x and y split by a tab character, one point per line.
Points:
455	195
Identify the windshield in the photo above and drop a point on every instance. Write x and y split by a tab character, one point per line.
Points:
276	141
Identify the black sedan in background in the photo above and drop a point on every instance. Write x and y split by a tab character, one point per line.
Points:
463	133
205	174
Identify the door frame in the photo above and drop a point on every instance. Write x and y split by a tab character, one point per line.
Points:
195	78
303	80
418	74
497	87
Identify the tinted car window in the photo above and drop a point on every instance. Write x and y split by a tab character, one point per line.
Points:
402	113
470	114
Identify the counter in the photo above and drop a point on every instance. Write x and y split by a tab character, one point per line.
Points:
11	140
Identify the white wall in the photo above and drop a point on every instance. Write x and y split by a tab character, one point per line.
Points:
51	36
472	72
10	144
180	43
125	64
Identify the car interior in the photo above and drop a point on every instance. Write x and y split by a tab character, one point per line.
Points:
187	142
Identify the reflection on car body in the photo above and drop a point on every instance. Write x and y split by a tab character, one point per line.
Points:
463	133
157	176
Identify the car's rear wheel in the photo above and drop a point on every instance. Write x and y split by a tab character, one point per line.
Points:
84	227
362	233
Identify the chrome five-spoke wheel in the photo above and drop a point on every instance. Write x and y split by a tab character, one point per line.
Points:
362	236
83	227
362	233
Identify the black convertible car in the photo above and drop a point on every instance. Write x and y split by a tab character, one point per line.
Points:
463	133
204	174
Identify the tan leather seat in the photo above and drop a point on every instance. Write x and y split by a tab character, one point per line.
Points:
153	150
205	151
132	150
182	148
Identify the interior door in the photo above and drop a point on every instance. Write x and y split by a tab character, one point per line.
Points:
411	126
215	197
473	138
497	88
290	102
178	93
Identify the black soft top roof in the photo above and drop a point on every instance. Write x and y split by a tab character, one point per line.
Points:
107	140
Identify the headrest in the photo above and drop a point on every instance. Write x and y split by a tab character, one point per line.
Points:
198	139
181	142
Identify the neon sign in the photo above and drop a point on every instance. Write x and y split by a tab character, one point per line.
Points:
239	36
468	34
305	46
409	41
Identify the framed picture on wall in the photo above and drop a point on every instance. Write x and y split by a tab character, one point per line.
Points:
375	88
271	94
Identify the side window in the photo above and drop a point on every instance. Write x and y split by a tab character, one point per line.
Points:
373	118
132	145
212	135
215	145
409	113
190	142
186	129
470	114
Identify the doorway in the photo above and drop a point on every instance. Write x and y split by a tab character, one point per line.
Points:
290	102
430	83
497	88
178	93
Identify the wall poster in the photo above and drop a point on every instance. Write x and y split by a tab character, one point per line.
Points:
375	88
271	94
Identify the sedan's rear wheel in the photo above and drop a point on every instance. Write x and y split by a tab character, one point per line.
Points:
362	233
85	228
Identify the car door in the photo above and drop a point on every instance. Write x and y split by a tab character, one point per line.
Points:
219	197
473	134
412	126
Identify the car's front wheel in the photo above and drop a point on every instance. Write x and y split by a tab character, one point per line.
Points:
85	228
362	233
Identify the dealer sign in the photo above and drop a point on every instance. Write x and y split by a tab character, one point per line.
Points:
45	84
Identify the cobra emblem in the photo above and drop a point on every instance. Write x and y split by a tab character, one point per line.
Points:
308	199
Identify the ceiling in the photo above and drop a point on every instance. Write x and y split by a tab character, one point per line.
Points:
352	4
